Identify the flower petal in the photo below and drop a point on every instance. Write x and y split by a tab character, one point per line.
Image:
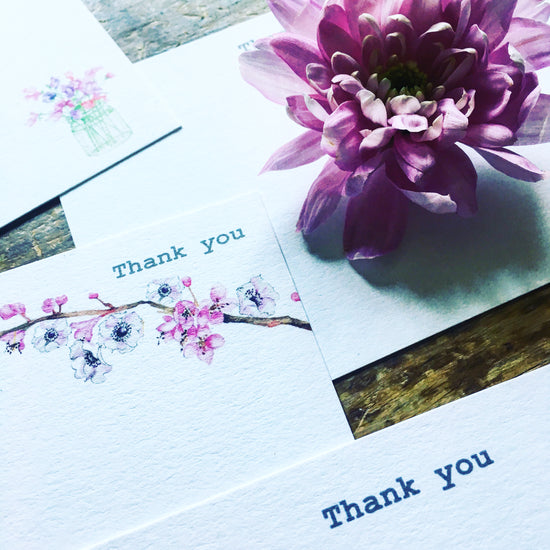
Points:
533	9
296	52
536	128
264	70
323	197
372	107
338	125
301	150
332	37
295	16
492	93
215	341
411	123
377	138
404	105
356	182
531	39
511	164
299	112
453	175
375	219
355	8
413	158
319	76
488	135
497	15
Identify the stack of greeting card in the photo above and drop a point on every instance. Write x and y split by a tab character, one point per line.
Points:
168	383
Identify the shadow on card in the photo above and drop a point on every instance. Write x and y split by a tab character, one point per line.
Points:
444	252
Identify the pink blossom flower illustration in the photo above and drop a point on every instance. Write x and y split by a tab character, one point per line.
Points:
48	306
212	310
202	343
108	328
50	335
32	93
84	330
257	298
11	310
87	363
175	327
388	88
164	291
14	341
33	119
184	313
121	331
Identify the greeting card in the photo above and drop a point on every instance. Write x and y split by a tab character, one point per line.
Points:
74	104
469	475
446	270
150	372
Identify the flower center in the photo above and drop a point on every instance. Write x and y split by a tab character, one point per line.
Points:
91	360
405	78
254	297
164	290
121	332
50	335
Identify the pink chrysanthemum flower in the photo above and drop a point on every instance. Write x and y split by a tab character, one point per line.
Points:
387	88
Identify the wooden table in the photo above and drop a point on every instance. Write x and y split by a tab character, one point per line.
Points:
489	349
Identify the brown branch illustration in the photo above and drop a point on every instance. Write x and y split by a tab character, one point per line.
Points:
267	321
260	321
87	313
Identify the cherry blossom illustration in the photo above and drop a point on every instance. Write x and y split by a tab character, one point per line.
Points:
121	331
164	291
51	334
94	337
257	297
87	364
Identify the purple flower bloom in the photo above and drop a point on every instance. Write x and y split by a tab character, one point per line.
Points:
68	90
87	363
387	88
257	298
48	96
50	335
121	331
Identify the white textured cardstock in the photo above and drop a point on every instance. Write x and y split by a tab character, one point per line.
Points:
119	406
73	104
447	269
472	474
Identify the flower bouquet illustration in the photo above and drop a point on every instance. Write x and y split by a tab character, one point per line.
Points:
93	337
83	104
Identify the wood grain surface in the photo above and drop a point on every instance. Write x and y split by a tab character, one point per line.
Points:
491	348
